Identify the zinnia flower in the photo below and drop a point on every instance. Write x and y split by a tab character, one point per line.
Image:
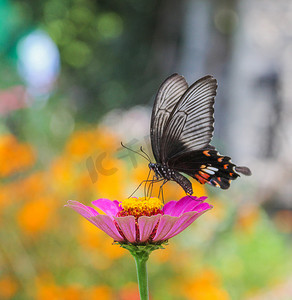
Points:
142	225
141	221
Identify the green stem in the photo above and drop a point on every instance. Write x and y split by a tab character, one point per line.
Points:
141	265
141	254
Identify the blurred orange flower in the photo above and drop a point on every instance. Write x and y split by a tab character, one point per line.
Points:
36	215
8	288
85	143
129	292
47	291
71	293
14	156
111	185
31	186
99	293
140	173
23	189
81	144
84	187
205	286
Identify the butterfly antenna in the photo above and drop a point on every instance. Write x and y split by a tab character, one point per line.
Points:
135	152
141	149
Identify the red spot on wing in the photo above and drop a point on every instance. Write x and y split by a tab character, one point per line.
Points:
200	179
220	158
225	166
204	175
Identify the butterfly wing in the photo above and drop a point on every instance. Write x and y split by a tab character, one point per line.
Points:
167	97
181	131
189	126
208	166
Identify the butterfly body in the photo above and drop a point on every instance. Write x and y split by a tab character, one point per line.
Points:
163	171
181	131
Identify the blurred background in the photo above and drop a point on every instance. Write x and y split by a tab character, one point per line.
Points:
77	77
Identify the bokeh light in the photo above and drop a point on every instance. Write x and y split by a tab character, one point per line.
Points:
38	62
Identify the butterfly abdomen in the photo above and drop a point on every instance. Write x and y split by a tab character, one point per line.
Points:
183	182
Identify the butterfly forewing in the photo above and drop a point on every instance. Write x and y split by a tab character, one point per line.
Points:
190	124
167	97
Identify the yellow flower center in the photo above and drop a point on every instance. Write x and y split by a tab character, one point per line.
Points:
142	206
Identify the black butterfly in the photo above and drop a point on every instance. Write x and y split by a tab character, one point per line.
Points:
181	130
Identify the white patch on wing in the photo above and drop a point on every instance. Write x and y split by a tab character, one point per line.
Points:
208	171
213	169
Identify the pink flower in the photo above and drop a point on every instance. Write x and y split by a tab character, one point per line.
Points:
141	221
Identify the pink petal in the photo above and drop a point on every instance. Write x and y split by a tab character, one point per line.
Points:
111	208
83	210
187	203
146	226
127	225
106	224
170	226
165	225
182	223
202	206
168	207
103	222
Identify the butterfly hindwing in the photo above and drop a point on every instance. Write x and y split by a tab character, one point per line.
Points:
206	166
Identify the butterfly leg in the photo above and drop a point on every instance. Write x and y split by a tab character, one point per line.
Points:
144	181
150	187
161	190
145	185
152	181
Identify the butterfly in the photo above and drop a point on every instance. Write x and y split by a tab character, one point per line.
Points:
181	130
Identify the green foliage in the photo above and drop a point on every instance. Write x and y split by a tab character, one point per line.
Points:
104	45
248	260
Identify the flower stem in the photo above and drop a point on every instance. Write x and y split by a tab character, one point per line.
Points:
141	266
141	254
